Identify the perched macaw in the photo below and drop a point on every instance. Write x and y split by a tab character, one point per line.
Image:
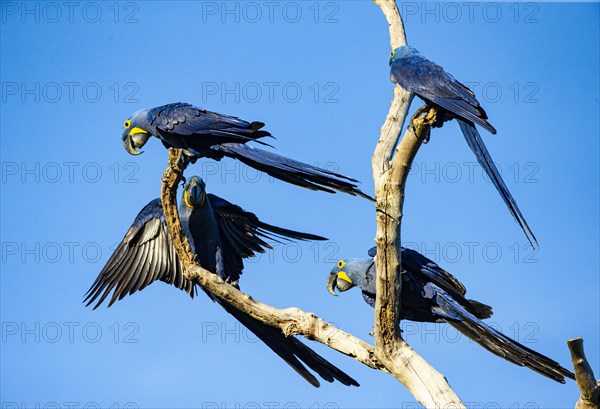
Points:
431	294
212	135
421	76
221	235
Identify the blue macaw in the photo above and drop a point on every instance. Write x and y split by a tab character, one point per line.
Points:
421	76
431	294
221	235
203	133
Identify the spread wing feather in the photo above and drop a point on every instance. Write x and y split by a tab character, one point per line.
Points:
145	255
242	234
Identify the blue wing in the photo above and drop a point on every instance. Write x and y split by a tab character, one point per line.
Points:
419	266
186	120
414	261
243	234
205	133
145	254
417	74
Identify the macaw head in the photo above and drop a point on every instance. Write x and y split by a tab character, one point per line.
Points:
346	274
404	51
194	193
136	132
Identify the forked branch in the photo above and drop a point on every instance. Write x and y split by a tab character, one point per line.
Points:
391	164
292	321
392	354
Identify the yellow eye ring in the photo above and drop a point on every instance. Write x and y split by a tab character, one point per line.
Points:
341	264
126	124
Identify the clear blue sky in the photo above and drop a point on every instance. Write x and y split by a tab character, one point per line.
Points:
317	74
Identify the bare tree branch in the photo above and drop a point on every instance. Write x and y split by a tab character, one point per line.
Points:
395	23
390	131
589	387
391	354
292	321
389	174
426	384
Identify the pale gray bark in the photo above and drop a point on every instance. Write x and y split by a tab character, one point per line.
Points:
391	163
586	381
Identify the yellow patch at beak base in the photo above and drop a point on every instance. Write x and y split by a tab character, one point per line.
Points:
344	277
186	195
136	130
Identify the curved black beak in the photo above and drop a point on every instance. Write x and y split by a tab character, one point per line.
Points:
196	191
332	283
134	139
128	145
198	194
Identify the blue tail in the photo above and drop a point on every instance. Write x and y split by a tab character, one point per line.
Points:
485	161
290	170
494	341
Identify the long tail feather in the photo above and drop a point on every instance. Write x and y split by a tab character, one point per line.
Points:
269	230
485	161
492	340
291	171
292	351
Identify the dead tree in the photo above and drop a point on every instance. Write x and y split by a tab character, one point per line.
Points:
391	163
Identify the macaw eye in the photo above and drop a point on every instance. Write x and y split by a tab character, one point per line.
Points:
341	263
126	124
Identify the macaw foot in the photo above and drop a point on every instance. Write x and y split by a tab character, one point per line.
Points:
183	158
416	117
422	110
181	161
438	116
191	156
427	117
